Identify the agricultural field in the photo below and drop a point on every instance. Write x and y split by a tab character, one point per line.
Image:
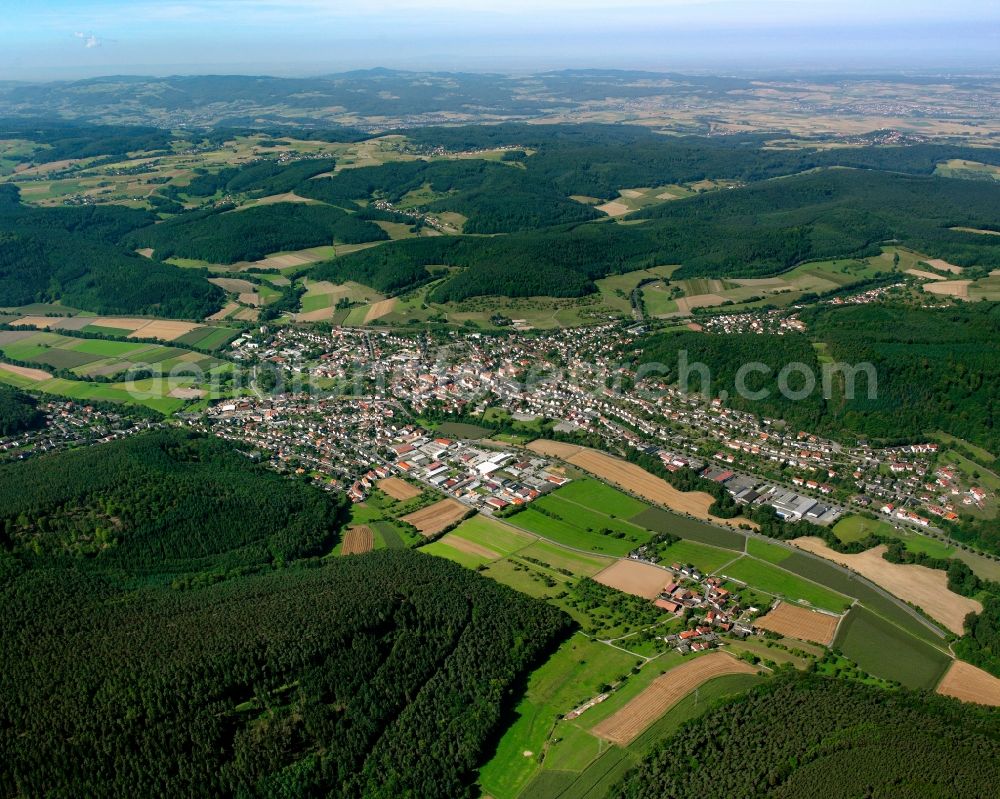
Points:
574	674
554	556
628	723
663	521
434	518
631	478
570	533
616	290
970	684
781	290
320	301
765	550
633	577
88	358
881	648
921	586
796	622
826	573
167	330
399	489
600	496
478	541
774	580
357	541
707	559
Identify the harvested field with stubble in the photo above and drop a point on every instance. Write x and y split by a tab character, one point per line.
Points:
796	622
926	588
663	693
435	518
470	547
380	309
358	541
164	329
632	478
632	577
950	288
24	371
398	489
970	684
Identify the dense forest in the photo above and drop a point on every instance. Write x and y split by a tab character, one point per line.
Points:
168	630
257	179
938	369
495	198
225	236
160	504
72	255
597	160
370	676
803	735
59	140
18	412
754	362
755	231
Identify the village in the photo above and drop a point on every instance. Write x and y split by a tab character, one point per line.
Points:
570	380
69	424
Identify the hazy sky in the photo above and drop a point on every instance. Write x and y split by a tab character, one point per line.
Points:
73	38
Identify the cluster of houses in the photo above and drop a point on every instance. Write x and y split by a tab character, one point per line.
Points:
715	607
71	424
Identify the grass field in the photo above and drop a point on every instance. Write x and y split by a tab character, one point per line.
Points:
574	674
777	581
570	531
663	521
884	650
708	559
763	550
856	528
600	496
459	430
580	563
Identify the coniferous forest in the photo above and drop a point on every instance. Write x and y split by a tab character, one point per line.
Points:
195	647
18	411
803	735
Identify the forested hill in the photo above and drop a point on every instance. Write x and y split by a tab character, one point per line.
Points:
162	504
807	736
167	631
73	255
936	369
597	160
755	231
18	412
225	235
375	676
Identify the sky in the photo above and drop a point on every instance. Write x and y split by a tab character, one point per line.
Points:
61	39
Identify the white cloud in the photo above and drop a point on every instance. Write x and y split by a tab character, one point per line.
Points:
90	41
